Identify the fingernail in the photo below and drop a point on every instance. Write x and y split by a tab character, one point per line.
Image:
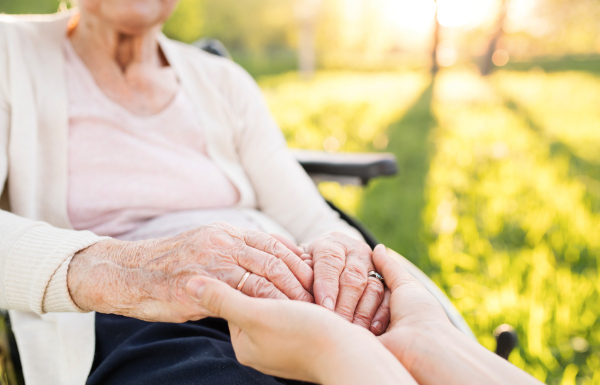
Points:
196	288
376	326
381	249
328	303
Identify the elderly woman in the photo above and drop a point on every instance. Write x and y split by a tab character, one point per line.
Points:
120	150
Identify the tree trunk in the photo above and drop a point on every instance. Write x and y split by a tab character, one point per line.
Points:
435	67
486	65
306	12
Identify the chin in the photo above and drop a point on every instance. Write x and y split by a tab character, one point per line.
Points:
132	16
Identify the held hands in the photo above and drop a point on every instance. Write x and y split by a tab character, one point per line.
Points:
271	336
305	342
147	279
298	340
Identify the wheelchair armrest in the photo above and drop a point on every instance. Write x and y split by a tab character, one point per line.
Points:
354	165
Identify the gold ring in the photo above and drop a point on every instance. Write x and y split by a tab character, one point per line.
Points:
243	281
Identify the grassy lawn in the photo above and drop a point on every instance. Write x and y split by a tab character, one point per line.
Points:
498	198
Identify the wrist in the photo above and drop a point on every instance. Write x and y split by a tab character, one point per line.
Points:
358	358
415	346
341	355
91	271
350	355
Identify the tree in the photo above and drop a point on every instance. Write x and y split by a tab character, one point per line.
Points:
436	41
306	12
486	64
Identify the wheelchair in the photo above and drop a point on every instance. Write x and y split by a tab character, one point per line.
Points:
344	168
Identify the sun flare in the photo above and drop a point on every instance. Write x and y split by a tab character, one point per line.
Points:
464	13
409	14
417	15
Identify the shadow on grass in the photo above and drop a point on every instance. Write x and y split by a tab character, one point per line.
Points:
392	208
587	63
586	171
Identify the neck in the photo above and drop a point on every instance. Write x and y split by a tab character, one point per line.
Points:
94	37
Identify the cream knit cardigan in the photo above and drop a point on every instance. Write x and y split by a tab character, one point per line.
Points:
56	341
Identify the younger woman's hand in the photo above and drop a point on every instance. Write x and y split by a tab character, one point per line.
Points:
413	310
298	340
422	338
411	304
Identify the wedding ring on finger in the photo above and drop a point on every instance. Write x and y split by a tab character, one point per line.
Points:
375	274
243	281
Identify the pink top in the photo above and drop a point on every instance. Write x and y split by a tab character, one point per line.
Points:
126	169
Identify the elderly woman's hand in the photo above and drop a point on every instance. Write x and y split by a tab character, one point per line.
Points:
298	340
341	265
147	279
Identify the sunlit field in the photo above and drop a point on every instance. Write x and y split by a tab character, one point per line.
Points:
498	198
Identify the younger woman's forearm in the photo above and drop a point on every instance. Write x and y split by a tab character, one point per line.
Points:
447	356
363	361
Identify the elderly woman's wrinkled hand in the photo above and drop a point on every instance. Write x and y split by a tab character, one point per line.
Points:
147	280
341	271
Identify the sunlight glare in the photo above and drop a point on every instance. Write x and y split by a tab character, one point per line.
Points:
464	13
410	14
446	53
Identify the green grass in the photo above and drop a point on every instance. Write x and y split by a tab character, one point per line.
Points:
587	63
498	198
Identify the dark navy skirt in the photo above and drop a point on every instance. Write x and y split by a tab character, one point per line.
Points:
130	351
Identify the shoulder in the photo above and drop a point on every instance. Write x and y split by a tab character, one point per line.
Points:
219	68
33	26
28	39
223	73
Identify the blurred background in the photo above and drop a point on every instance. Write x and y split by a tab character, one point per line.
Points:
493	110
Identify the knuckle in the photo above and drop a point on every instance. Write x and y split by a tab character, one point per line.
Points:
329	250
328	280
274	268
377	287
268	244
331	263
260	240
364	248
354	276
384	308
264	289
362	319
345	313
299	294
219	228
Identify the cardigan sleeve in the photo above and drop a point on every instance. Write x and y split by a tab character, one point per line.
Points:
34	256
283	189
